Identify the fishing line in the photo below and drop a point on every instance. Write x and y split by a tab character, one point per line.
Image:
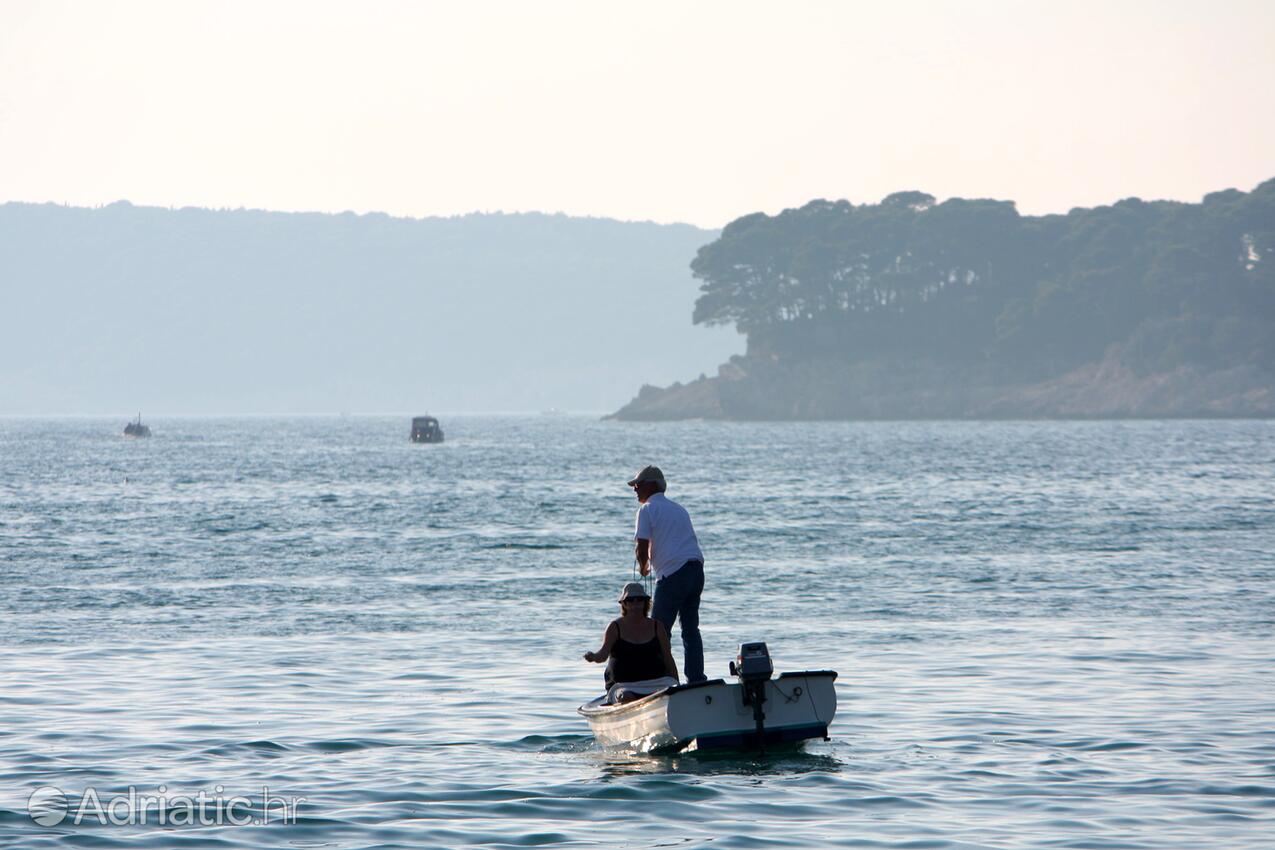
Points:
645	579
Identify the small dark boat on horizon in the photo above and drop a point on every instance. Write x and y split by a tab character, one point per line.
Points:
136	428
425	429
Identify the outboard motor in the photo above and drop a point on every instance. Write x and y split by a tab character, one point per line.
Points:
753	668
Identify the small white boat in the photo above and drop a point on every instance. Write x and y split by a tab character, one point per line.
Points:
754	712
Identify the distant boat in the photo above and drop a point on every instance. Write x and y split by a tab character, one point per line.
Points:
553	411
425	429
136	428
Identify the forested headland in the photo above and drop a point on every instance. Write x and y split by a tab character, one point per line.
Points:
125	308
965	308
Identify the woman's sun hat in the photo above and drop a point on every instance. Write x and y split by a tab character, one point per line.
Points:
633	590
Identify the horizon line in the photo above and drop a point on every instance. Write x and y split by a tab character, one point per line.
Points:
580	216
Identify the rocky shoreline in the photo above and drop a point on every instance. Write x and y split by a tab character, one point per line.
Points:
767	388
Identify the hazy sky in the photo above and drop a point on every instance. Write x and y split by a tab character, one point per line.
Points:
680	111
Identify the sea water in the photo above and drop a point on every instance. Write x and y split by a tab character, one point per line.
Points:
1047	634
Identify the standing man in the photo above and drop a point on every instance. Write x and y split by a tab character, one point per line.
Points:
666	542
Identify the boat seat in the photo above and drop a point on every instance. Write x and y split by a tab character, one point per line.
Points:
629	691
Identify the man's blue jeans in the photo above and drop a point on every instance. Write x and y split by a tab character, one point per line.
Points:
677	597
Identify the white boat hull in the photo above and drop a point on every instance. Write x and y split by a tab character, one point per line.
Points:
712	714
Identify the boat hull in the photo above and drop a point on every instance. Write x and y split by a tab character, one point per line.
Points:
713	715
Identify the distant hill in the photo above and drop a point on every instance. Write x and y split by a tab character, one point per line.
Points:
911	308
200	311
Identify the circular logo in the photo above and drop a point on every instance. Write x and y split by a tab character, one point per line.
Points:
47	805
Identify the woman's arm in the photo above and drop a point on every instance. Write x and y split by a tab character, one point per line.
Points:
669	666
608	641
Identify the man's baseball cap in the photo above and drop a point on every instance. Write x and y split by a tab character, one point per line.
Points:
648	473
633	590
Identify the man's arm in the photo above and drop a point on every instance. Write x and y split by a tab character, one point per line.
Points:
642	551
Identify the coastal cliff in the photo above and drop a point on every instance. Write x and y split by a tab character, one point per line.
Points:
910	309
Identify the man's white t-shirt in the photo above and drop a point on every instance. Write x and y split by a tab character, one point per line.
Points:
668	526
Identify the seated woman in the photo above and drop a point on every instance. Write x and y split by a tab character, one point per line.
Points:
637	647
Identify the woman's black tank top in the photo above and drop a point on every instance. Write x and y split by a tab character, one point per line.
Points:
637	662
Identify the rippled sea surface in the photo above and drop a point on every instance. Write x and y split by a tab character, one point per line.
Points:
1048	634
